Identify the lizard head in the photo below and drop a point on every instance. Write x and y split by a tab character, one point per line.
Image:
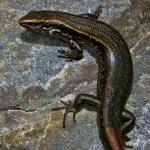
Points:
47	22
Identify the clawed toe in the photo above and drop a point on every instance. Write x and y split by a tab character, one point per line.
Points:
128	146
69	108
66	113
65	53
70	54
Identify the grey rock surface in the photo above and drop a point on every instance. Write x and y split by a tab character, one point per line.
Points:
33	79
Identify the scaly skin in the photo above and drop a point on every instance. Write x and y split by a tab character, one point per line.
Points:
115	75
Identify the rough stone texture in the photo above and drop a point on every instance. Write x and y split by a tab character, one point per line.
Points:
33	79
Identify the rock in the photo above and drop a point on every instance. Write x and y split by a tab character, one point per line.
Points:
33	79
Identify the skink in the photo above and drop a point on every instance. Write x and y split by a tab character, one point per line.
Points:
115	74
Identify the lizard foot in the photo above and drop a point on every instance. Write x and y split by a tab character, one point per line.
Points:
69	108
70	54
73	53
127	139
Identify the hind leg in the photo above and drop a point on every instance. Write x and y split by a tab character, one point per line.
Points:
128	122
87	101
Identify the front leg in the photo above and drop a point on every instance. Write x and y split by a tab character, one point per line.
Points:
74	53
93	15
81	100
